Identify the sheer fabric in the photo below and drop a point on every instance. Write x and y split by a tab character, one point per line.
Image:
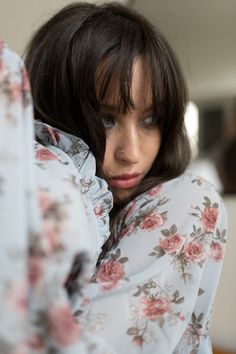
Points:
158	283
47	226
153	292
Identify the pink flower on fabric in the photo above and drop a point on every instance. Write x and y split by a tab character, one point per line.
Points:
172	244
35	341
194	252
153	308
198	333
15	91
109	274
216	252
18	297
45	154
51	232
45	202
85	301
21	348
151	221
155	190
3	70
26	83
126	231
54	134
181	317
62	325
35	270
209	218
98	210
138	341
129	212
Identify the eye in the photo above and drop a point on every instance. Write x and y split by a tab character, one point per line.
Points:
109	122
148	122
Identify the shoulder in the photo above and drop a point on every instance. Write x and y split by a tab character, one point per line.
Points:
187	189
190	188
184	201
193	197
190	181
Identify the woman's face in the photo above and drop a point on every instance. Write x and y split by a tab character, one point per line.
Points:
132	140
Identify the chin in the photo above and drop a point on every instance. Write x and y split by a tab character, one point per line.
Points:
122	195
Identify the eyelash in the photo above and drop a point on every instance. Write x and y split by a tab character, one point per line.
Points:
109	122
148	121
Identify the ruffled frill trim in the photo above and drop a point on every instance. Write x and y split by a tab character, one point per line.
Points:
96	188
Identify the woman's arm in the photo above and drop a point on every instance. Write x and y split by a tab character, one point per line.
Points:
44	230
156	287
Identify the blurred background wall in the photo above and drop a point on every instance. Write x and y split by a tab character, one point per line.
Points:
203	34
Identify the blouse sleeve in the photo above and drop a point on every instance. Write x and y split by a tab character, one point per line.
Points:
154	291
16	156
196	336
44	231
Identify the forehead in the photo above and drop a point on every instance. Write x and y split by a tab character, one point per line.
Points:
140	85
126	91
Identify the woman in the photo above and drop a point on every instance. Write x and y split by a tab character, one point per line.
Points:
102	77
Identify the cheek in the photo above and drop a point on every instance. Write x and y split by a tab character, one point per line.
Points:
153	145
107	161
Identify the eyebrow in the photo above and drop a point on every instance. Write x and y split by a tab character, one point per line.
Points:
109	107
113	108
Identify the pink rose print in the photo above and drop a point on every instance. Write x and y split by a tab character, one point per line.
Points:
62	325
155	190
127	230
109	274
44	201
196	335
216	252
35	270
51	233
194	252
172	244
45	154
3	70
98	210
18	297
22	348
26	83
209	218
54	134
36	342
15	91
153	308
129	212
181	317
138	341
85	301
151	221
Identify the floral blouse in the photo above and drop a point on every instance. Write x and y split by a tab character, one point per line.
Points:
158	283
153	292
48	223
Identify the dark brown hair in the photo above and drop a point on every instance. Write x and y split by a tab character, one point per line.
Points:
62	60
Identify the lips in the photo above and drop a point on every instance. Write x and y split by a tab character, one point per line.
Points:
125	181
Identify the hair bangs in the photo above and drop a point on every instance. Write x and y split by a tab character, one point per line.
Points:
113	79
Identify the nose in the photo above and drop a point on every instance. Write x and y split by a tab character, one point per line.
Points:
128	147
